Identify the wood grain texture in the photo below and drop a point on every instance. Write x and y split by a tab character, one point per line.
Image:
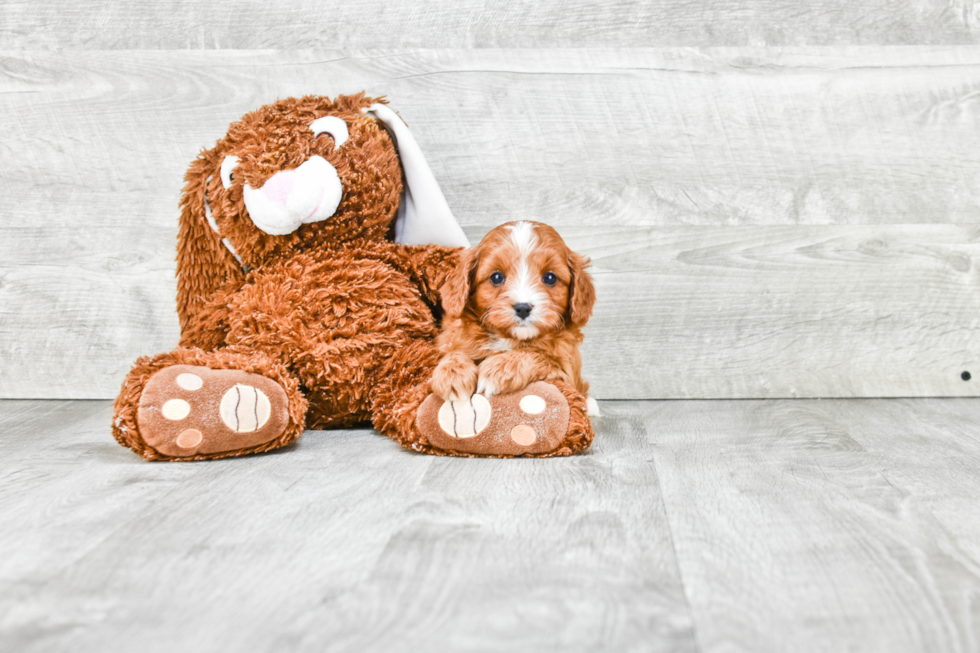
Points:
704	526
641	137
811	525
783	311
342	542
856	144
929	449
182	24
683	312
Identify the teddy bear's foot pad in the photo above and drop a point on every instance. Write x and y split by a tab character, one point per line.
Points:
531	421
190	410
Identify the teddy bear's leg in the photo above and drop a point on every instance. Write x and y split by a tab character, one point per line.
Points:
189	404
544	419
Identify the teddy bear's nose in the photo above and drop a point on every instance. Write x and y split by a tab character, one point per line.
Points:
291	198
279	186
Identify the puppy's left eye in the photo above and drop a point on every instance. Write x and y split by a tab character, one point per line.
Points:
549	279
497	278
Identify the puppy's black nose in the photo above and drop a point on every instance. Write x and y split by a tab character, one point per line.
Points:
522	310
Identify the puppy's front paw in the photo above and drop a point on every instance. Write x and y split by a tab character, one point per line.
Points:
501	374
454	378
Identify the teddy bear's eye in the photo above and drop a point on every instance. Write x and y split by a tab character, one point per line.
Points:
331	125
497	278
227	169
549	279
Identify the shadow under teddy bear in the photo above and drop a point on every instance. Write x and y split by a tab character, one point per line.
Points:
307	293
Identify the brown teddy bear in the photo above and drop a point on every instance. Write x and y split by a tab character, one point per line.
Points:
307	292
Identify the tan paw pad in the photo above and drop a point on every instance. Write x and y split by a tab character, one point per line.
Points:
531	421
188	410
465	418
523	435
189	439
189	381
533	404
176	409
245	409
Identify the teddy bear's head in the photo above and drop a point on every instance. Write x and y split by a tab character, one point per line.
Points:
298	174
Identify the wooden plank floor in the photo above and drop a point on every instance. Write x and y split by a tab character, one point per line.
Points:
787	525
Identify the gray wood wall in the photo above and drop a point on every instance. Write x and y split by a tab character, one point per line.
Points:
780	199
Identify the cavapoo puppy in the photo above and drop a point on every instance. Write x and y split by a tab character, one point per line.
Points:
515	307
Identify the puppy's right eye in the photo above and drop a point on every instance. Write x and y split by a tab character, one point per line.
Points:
497	278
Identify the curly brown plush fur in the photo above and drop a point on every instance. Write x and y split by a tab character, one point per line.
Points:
337	315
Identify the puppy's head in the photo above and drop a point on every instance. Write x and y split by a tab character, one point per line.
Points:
521	281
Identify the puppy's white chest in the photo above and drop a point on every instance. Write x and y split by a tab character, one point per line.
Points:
498	344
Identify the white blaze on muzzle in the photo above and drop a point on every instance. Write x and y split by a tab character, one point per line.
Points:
290	198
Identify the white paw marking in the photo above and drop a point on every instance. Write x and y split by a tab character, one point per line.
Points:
523	434
465	418
533	404
189	439
176	409
245	409
592	407
486	387
189	381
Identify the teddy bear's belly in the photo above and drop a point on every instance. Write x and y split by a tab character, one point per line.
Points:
334	324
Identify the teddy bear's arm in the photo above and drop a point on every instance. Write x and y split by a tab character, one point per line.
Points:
426	265
207	328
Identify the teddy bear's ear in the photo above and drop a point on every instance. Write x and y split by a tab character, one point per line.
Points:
204	262
424	216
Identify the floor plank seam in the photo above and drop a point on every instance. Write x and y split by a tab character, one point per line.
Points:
673	543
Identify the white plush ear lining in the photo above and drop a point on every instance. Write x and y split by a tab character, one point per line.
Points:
214	225
424	216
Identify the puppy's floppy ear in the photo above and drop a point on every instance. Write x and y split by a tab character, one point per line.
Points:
455	291
581	291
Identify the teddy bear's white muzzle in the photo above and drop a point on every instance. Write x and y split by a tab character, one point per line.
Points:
288	199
